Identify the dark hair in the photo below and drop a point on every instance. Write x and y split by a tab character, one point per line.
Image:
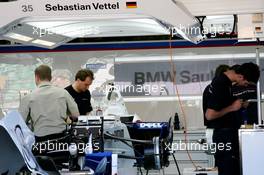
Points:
235	67
221	69
250	71
43	72
83	74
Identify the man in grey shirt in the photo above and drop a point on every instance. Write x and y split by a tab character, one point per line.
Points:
47	107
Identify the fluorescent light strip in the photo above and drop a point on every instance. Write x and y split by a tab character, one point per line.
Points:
224	17
18	37
42	25
188	57
101	27
164	98
43	42
151	98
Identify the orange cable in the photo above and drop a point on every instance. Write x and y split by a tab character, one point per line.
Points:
173	69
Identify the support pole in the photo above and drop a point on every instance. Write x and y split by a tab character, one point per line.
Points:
259	90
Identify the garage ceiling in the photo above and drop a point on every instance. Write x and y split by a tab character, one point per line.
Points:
223	7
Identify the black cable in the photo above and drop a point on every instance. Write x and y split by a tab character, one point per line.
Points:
178	169
258	41
234	26
201	23
128	157
102	135
131	147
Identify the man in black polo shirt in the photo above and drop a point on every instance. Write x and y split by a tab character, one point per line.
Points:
218	71
249	114
79	90
220	106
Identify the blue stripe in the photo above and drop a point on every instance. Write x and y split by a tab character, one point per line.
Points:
125	46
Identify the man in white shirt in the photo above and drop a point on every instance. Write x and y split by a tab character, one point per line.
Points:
47	107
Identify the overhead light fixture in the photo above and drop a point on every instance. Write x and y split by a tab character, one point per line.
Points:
120	26
43	42
118	21
187	57
56	31
17	36
41	37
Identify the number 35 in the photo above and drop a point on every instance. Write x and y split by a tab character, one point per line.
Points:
27	8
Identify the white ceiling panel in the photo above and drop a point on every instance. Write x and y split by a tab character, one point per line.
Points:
223	7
